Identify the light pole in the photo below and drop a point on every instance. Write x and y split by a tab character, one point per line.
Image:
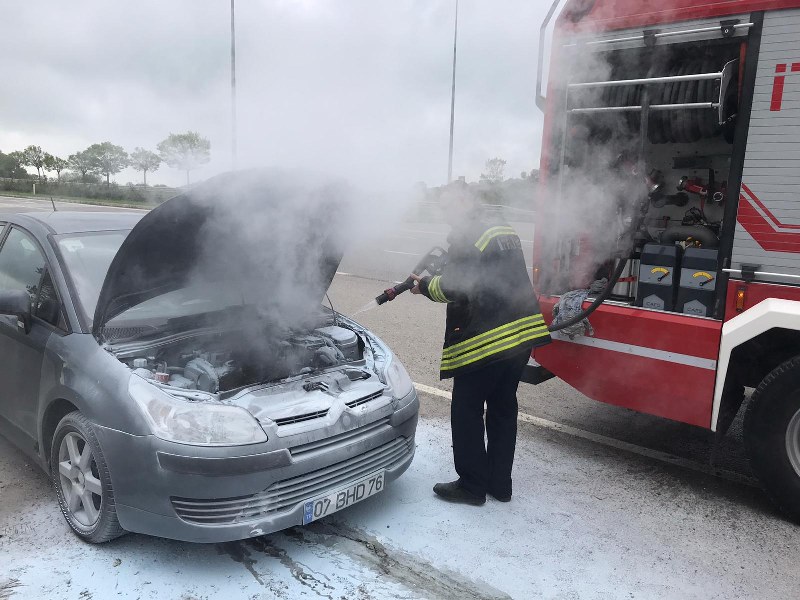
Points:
452	100
233	87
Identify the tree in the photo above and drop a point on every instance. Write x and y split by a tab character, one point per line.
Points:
83	163
107	159
144	160
10	166
185	151
494	170
54	163
34	156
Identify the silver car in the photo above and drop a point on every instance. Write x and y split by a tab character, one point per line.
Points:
168	391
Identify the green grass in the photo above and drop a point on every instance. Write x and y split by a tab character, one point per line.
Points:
78	200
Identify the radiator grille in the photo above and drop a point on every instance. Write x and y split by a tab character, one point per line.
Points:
365	399
285	494
347	437
301	418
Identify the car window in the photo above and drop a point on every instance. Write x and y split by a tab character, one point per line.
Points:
48	306
87	257
21	264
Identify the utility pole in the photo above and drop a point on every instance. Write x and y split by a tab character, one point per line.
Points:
233	87
452	101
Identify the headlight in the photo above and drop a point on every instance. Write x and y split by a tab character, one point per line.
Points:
199	423
399	379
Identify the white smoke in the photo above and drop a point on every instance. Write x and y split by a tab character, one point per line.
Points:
275	238
586	205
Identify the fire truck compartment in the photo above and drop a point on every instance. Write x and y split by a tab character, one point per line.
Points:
670	149
640	152
640	162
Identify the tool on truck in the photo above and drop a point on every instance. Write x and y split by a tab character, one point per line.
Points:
671	168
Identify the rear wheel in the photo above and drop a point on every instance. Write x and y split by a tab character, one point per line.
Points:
80	477
772	435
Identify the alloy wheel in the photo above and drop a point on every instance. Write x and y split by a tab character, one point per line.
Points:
80	479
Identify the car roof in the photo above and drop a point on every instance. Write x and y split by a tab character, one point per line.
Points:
77	221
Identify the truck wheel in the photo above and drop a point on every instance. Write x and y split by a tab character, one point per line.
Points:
80	477
772	436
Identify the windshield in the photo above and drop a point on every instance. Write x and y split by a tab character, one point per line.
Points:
87	257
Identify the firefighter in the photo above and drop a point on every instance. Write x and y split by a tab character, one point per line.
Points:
493	323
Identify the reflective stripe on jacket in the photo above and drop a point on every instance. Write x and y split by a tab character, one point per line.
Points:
492	312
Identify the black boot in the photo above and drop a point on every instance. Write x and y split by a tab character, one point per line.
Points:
453	492
500	497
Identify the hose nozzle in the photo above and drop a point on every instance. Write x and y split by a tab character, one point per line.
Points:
391	293
431	262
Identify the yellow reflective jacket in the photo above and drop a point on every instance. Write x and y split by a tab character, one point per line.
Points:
492	311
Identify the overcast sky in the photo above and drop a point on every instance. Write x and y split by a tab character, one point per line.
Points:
354	87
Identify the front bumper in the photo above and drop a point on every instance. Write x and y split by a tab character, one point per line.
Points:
204	494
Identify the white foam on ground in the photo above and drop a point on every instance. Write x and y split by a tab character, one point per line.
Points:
586	522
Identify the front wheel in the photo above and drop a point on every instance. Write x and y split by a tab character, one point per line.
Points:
772	435
80	477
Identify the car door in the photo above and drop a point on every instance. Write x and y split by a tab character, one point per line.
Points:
23	267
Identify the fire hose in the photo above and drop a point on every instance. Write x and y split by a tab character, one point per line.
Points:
618	270
654	185
434	260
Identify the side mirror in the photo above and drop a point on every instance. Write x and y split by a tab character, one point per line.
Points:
17	303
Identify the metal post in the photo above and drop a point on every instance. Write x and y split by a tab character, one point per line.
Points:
453	101
233	87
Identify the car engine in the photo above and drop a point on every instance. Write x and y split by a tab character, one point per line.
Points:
221	362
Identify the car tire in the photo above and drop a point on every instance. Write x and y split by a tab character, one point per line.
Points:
82	481
772	436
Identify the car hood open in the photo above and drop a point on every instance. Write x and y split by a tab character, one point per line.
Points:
276	236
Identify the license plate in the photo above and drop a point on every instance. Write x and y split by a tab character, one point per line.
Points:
356	492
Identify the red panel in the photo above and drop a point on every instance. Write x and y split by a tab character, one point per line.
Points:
622	14
755	293
765	230
769	214
668	331
777	89
658	387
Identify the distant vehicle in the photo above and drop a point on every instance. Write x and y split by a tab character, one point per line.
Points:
163	405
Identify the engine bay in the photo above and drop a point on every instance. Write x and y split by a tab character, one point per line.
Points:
220	362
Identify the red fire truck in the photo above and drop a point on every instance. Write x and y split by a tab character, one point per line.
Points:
671	168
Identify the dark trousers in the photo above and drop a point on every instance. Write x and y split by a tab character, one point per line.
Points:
483	467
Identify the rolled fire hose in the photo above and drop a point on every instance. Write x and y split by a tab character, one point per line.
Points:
680	233
597	301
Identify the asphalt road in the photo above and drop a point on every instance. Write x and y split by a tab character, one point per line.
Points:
608	503
390	255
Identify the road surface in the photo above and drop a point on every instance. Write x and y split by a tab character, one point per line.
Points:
607	504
